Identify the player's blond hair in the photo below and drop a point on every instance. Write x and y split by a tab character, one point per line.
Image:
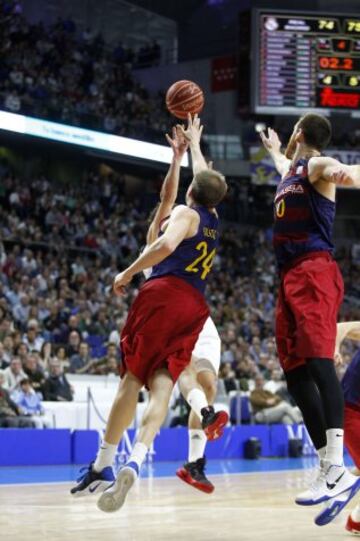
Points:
208	188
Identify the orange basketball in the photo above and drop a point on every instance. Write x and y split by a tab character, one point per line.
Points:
184	97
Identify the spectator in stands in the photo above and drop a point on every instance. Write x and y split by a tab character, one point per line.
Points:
12	102
73	346
57	387
22	351
270	408
45	355
13	374
228	375
10	413
180	413
34	372
275	383
4	359
30	404
114	337
32	338
72	324
108	364
81	363
8	344
62	357
21	310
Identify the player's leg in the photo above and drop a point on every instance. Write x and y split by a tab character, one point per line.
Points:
160	386
99	475
193	471
304	391
300	383
321	421
314	298
191	388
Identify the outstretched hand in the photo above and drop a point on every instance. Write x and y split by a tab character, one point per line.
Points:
271	142
178	143
194	129
121	281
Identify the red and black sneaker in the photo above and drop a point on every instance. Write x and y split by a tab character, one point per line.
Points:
213	423
193	473
352	526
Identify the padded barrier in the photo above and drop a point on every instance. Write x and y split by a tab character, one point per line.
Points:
31	447
19	447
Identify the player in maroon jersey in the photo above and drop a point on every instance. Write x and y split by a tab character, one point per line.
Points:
198	382
163	323
310	294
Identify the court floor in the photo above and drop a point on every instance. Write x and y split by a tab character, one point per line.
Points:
254	505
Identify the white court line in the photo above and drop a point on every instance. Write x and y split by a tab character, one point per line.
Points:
157	477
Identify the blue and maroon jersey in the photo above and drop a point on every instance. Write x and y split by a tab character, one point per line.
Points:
193	258
351	382
303	218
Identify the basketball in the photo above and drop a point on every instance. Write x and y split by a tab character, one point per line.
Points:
184	97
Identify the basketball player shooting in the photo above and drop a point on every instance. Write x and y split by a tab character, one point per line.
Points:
310	295
161	330
198	382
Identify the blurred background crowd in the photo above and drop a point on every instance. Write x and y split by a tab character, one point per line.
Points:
64	74
58	257
61	243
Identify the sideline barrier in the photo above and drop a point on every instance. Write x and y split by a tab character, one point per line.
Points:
31	447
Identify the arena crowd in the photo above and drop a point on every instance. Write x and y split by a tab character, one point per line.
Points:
58	257
61	73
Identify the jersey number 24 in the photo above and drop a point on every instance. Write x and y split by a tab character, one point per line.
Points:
204	262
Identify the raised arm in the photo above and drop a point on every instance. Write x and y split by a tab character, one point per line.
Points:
193	135
183	223
169	189
334	172
272	144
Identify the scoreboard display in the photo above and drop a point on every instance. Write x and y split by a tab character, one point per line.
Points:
305	61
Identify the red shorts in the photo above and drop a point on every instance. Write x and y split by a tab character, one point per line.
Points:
310	296
162	327
352	432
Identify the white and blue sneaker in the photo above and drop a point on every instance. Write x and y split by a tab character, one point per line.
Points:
330	482
336	505
113	498
92	482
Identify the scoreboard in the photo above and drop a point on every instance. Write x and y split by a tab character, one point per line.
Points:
305	61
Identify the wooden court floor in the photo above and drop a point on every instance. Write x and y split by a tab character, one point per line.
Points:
251	507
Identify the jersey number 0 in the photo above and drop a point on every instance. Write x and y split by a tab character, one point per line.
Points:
204	262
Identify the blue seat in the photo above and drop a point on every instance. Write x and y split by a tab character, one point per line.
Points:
235	409
245	410
95	340
96	343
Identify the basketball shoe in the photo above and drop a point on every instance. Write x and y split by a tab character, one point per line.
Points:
193	473
113	498
92	482
330	482
335	506
213	423
352	525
